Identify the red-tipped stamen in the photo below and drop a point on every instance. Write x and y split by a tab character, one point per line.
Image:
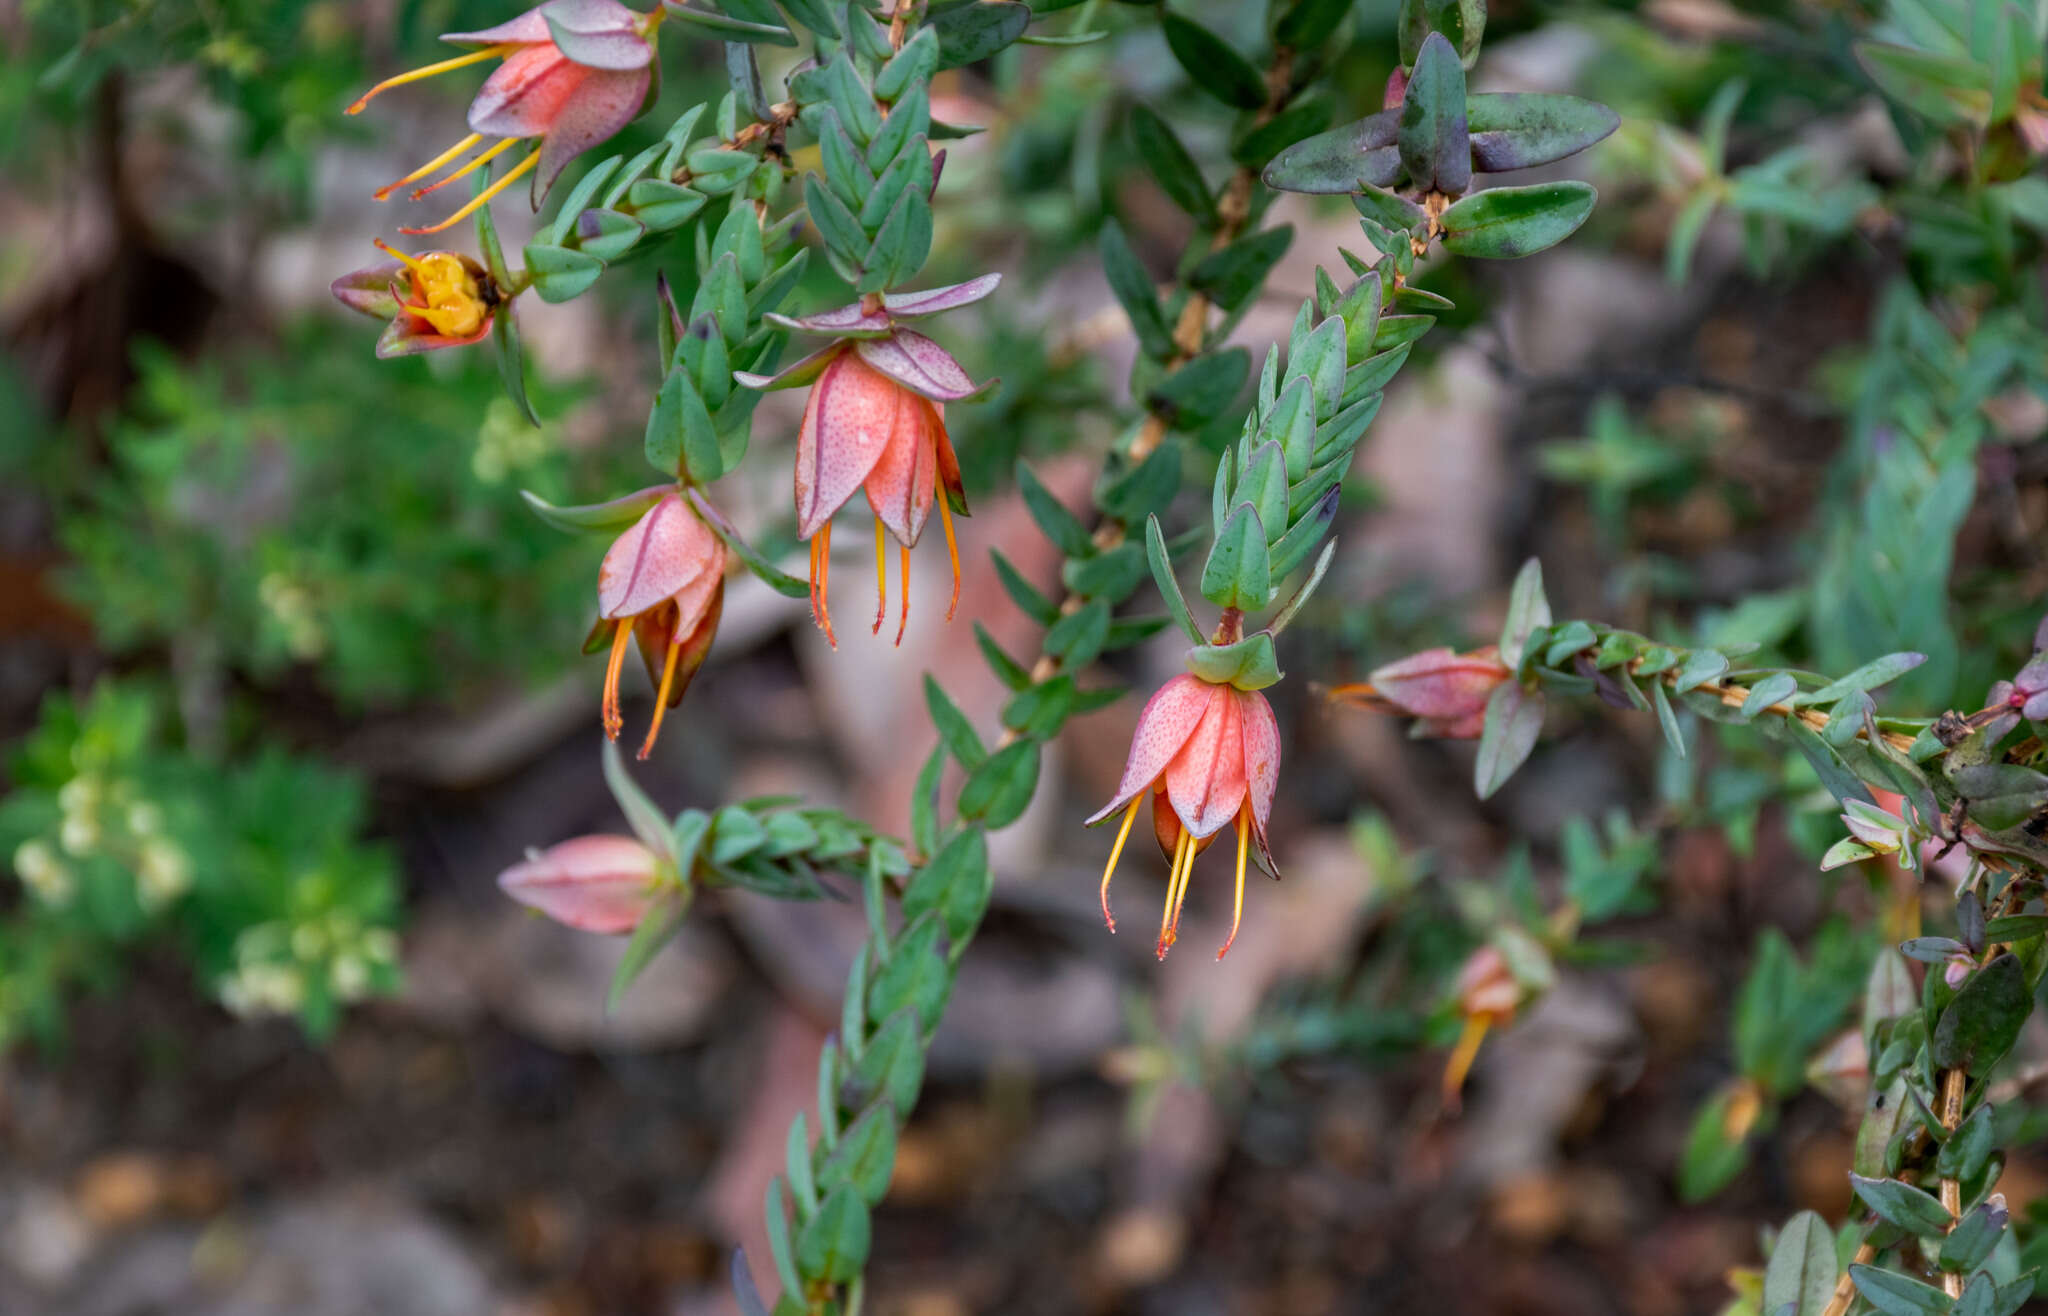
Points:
1116	851
483	198
1176	890
384	193
444	66
903	609
881	579
477	162
1463	1055
668	680
814	584
823	611
1244	836
952	551
612	720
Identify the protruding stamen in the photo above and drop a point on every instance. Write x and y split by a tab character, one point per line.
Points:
1461	1058
483	198
1244	837
952	551
881	579
903	609
481	159
824	609
668	680
814	584
612	720
1116	852
1176	886
446	65
384	193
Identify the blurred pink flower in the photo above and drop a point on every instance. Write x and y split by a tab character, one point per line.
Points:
596	883
663	583
1446	691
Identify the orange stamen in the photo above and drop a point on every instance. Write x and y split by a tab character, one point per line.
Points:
1176	890
814	583
483	198
430	70
881	579
903	612
824	608
1116	852
668	678
1461	1057
612	720
384	193
1244	836
952	551
481	159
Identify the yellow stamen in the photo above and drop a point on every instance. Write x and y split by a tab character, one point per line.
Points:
612	720
824	609
952	551
1244	836
814	583
881	579
1116	852
483	198
384	193
903	611
481	159
1461	1057
446	65
1176	888
668	679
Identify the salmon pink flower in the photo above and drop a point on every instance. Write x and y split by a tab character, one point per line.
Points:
1488	994
876	421
1209	756
663	584
575	72
439	299
596	883
1444	690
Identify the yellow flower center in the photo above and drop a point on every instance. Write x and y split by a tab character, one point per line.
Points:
452	301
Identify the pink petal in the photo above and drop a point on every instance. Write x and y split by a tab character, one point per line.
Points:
792	376
906	305
598	34
919	364
847	423
409	336
607	101
1440	685
849	319
1261	757
530	28
1169	718
693	600
657	556
1206	780
901	485
596	883
527	93
369	290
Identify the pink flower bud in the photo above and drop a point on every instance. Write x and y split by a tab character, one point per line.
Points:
596	883
1396	93
1957	971
1486	986
1446	690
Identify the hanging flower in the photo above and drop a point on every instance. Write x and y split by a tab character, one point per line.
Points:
1209	756
1488	995
435	300
663	583
574	73
1444	690
876	421
596	883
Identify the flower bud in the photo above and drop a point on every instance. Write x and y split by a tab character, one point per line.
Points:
1956	971
1446	690
596	883
1486	986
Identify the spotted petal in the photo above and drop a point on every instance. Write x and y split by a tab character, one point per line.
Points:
598	34
1170	717
847	423
900	487
526	94
1206	780
530	28
1261	764
795	375
848	321
921	365
607	101
660	554
931	301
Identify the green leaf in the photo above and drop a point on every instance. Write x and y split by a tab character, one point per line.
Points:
1201	390
1308	23
1970	1243
916	976
892	1063
1700	667
834	1245
1710	1159
1984	1020
1903	1205
1436	149
1528	610
864	1155
1134	292
1108	575
1023	593
796	1158
1524	129
1232	275
1169	585
658	926
1007	669
1872	674
615	515
560	274
1248	664
1514	722
1131	493
1059	525
970	33
2015	927
730	29
953	726
1968	1149
648	822
606	234
1255	142
735	834
911	66
1178	174
1335	162
1948	89
1461	22
1802	1270
778	1240
1239	570
1898	1295
997	792
1211	64
955	882
1666	719
1504	223
1076	638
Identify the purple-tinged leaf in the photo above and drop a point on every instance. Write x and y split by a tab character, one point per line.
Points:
1520	130
370	290
931	301
1335	162
1514	721
1435	146
920	365
795	375
614	515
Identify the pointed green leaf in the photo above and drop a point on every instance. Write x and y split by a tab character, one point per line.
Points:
1436	148
1504	223
1211	64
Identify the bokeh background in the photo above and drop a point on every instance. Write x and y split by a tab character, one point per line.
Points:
288	673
